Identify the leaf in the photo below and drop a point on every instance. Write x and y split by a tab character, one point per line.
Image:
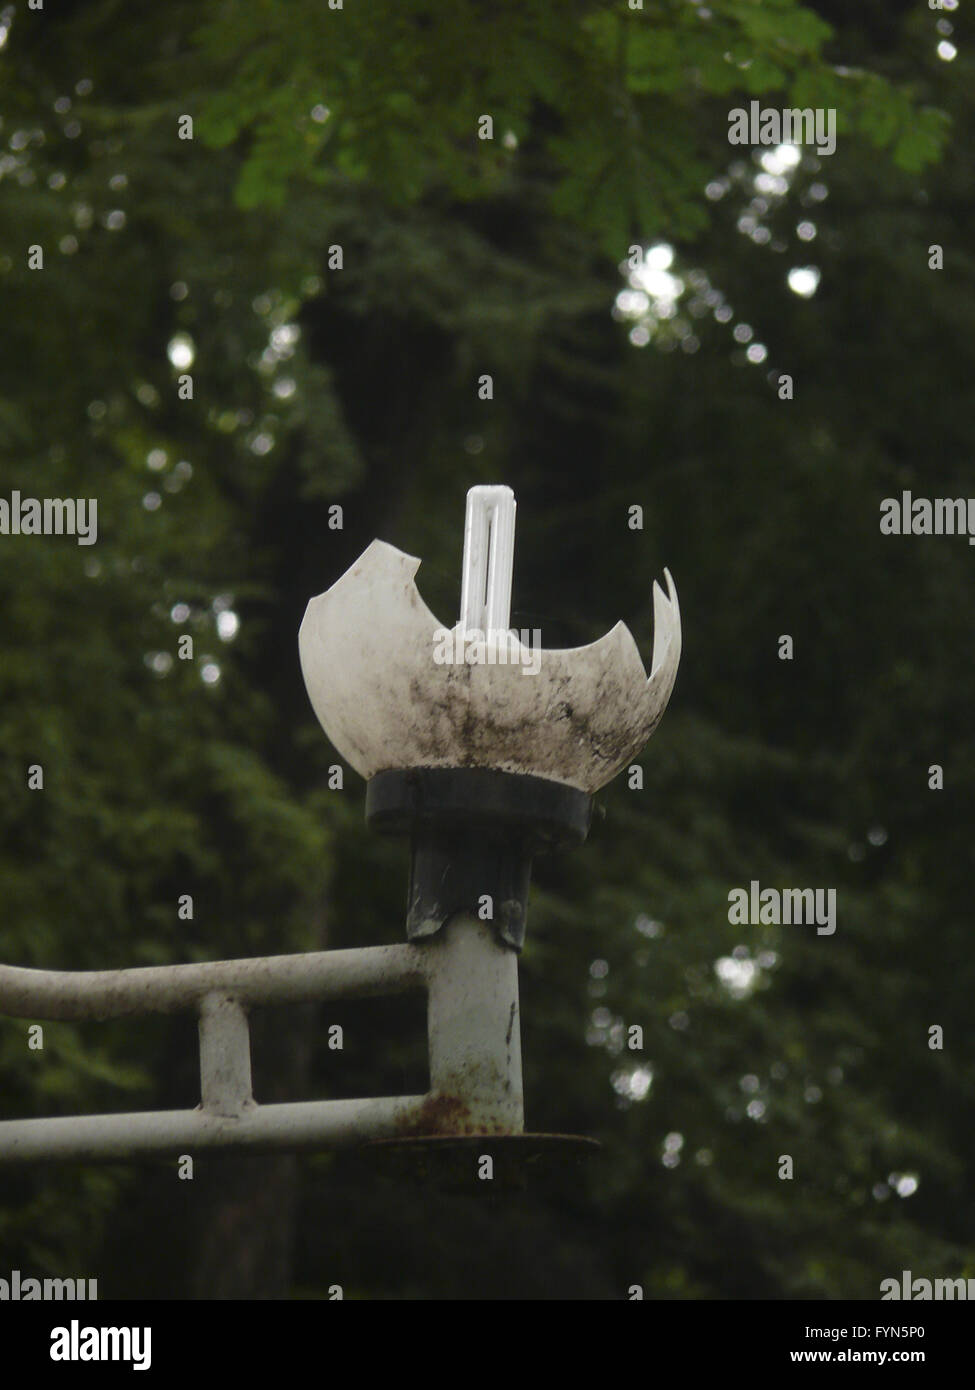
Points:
922	142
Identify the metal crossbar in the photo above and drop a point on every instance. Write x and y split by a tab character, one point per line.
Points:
471	983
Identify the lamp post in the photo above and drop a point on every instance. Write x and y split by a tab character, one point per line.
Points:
485	749
482	747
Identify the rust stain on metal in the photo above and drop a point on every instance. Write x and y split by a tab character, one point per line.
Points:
438	1114
445	1116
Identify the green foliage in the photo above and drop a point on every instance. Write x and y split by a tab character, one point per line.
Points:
404	89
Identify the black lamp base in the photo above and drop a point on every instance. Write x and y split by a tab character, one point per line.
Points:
474	833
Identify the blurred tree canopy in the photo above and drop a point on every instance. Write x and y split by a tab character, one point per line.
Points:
317	128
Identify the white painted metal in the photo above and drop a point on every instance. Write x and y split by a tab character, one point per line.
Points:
472	1022
474	1028
319	1124
229	1117
166	989
367	652
225	1057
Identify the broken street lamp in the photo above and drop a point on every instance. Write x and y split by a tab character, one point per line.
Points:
484	749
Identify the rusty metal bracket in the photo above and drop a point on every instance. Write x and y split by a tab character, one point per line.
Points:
474	1041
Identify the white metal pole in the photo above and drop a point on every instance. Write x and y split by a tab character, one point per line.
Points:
163	989
169	1133
225	1057
474	1029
